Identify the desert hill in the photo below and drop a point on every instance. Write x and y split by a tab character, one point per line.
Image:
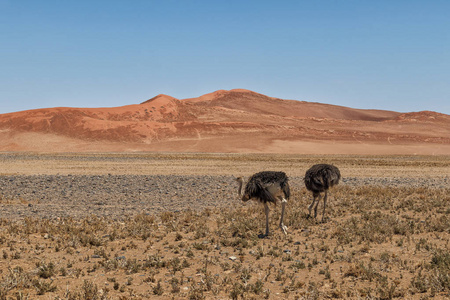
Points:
226	121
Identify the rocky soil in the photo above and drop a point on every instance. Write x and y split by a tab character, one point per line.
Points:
117	196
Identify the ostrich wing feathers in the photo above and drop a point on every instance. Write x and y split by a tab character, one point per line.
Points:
265	185
286	189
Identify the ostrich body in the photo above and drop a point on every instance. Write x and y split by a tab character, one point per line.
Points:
319	178
265	187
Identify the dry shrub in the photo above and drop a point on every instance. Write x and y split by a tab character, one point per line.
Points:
43	286
15	278
374	227
439	275
88	291
239	224
141	226
45	270
363	272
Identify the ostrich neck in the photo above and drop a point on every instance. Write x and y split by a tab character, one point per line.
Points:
241	182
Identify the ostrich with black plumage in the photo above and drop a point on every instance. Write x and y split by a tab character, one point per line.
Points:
318	179
267	187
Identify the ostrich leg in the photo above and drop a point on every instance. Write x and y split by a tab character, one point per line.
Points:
317	205
282	226
266	209
324	205
310	207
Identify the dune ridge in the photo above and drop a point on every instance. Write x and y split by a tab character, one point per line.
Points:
233	121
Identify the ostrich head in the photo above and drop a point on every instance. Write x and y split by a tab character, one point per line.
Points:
245	197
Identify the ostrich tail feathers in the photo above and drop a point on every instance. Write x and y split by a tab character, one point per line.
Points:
320	177
333	176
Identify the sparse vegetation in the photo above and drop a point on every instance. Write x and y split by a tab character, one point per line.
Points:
380	242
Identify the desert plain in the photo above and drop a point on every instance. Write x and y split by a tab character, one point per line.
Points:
171	226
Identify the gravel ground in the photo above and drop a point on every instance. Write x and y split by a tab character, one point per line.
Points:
117	196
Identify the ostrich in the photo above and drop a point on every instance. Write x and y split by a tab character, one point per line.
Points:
319	178
267	186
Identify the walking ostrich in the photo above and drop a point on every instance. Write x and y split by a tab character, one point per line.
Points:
319	178
265	187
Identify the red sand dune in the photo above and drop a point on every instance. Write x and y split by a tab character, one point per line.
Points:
226	121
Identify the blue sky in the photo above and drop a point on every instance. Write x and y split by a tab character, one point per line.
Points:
392	55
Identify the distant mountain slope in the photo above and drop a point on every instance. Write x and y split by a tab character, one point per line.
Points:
222	121
257	103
